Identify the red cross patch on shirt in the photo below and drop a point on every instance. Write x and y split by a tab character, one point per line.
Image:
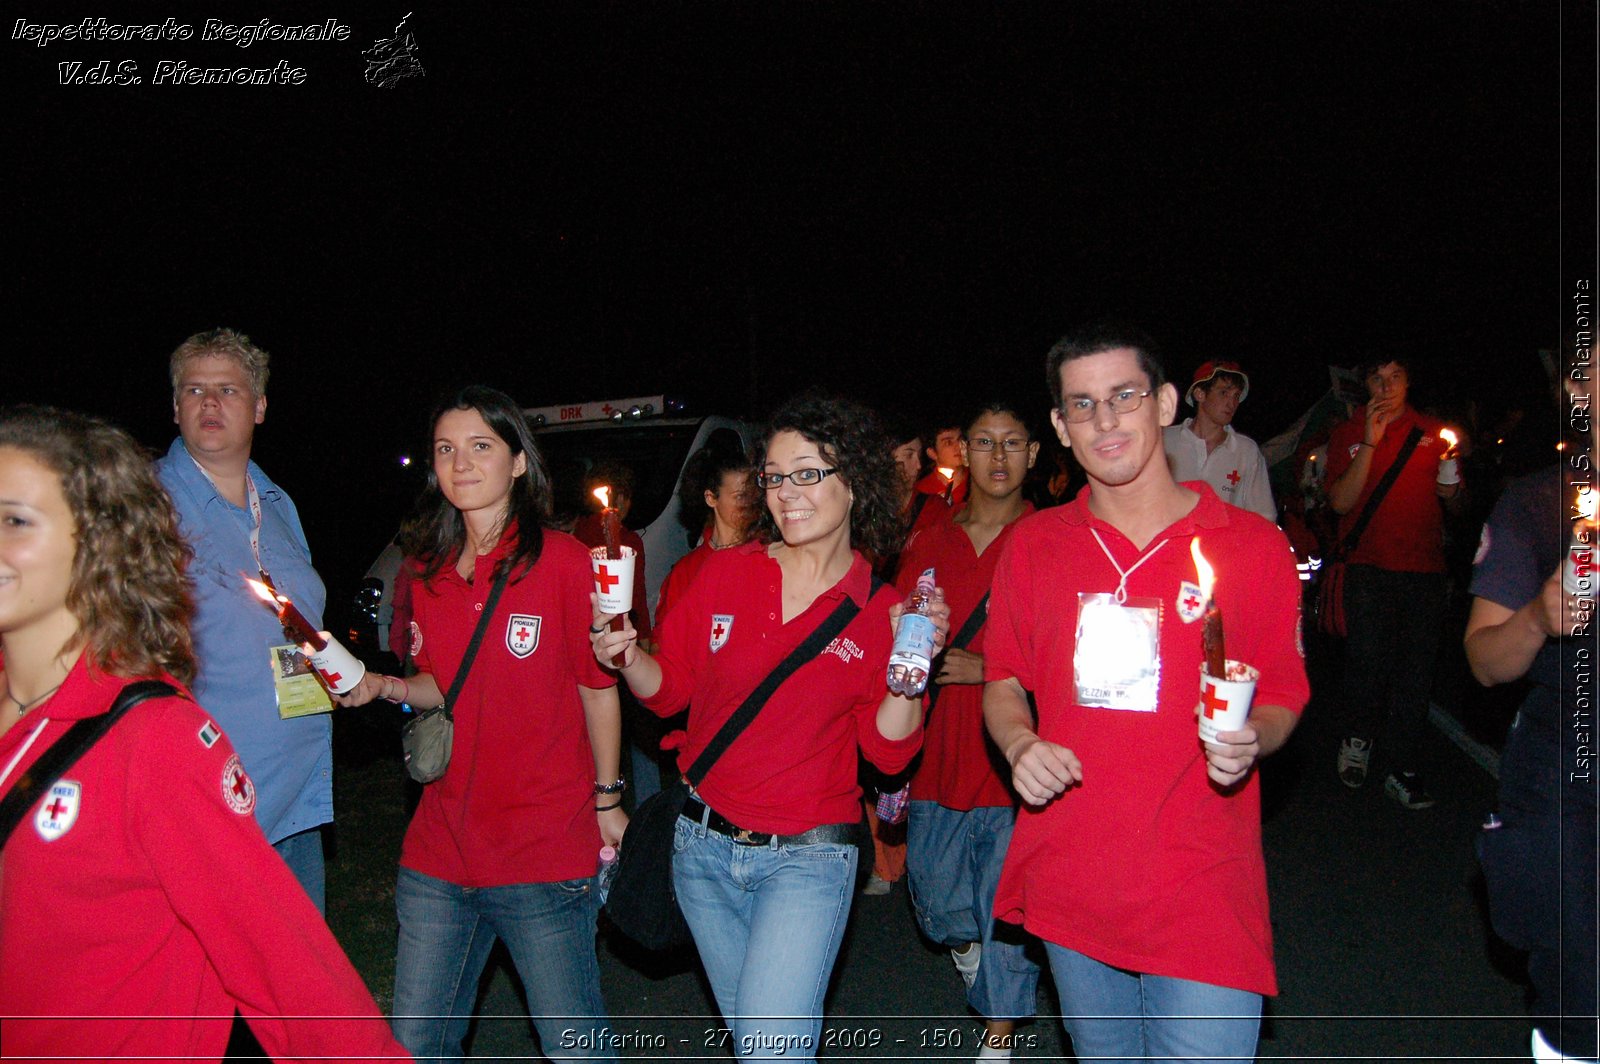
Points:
59	810
721	625
237	790
522	634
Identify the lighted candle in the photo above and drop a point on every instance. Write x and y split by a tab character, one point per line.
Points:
949	482
295	625
1449	468
610	522
611	530
1211	624
339	669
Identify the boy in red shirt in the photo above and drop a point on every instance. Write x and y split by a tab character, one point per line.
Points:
1137	857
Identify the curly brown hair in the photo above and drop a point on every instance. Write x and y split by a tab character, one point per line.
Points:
851	438
129	588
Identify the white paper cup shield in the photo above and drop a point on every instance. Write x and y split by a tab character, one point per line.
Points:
1225	704
340	669
613	580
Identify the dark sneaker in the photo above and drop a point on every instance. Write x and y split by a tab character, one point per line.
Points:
1407	789
1354	755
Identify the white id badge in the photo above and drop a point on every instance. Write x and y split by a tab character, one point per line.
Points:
1116	662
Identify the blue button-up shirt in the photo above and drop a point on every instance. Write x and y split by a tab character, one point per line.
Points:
290	761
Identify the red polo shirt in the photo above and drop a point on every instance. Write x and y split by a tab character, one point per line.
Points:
141	904
1406	534
961	769
682	575
794	767
517	802
1145	865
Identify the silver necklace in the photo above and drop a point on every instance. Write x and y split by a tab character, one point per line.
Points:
23	707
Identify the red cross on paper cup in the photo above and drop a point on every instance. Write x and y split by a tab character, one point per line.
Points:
1225	704
613	580
340	669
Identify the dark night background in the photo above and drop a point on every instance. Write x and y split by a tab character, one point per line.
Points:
731	201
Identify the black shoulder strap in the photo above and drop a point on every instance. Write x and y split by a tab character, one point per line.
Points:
472	647
813	645
1413	437
969	632
66	751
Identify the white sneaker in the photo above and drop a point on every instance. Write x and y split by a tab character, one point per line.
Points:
967	962
877	886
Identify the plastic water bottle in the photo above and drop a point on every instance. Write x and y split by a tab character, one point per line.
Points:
913	641
608	872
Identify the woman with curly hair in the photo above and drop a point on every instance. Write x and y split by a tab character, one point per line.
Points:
765	852
141	905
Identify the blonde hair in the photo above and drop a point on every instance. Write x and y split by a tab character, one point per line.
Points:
223	343
129	589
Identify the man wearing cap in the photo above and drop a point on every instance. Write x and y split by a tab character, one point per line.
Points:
1205	447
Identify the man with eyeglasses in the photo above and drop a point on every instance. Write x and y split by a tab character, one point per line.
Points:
1394	585
1205	447
1137	855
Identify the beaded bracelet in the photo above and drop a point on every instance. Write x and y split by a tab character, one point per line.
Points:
611	788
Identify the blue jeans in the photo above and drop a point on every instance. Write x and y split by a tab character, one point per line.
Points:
953	862
1115	1016
767	921
302	852
446	932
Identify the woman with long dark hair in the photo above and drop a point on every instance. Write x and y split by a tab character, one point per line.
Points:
765	852
505	844
141	905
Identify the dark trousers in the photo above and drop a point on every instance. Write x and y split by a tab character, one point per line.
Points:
1394	622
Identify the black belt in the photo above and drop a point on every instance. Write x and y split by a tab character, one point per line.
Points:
700	813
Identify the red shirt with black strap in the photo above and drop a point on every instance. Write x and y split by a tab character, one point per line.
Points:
517	802
141	904
1406	533
794	767
961	769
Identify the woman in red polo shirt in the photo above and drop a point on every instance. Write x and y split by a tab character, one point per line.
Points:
141	905
765	853
505	844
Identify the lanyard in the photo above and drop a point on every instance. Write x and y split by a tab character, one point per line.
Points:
253	498
22	752
1122	586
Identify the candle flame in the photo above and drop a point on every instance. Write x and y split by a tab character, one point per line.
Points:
603	493
1587	502
1208	576
263	592
947	472
1450	441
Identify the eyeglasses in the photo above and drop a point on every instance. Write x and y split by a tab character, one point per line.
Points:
1013	445
801	478
1081	408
